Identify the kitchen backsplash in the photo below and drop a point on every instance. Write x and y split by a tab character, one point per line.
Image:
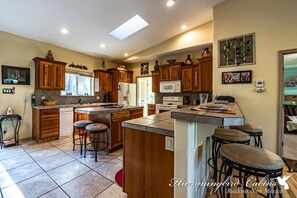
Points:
192	96
55	95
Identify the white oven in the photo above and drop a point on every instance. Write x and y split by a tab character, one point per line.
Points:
169	103
170	86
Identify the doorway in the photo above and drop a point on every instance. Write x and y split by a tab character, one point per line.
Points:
287	138
144	92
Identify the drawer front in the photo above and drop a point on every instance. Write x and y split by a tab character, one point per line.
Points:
120	115
49	133
49	124
136	113
49	117
44	112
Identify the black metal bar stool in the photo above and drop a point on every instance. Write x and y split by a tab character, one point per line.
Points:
250	161
252	130
79	126
224	136
96	129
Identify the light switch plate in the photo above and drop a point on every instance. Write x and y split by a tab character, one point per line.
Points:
169	143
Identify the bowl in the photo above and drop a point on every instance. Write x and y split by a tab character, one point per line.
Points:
49	102
171	61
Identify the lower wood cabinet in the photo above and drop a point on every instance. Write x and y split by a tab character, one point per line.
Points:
45	124
148	167
151	109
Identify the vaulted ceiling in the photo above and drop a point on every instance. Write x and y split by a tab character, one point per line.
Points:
89	22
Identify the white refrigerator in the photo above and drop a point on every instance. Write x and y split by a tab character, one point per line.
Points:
127	93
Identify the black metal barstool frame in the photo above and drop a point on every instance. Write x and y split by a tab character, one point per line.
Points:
229	165
96	142
257	138
81	134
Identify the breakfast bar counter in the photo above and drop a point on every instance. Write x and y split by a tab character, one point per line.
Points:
192	144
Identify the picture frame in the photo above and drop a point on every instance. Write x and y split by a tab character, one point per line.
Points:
144	68
237	51
15	75
237	77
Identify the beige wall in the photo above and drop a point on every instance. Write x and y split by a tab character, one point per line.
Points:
199	36
19	51
273	23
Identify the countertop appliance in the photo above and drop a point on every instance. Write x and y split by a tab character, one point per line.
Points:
66	121
127	93
169	103
170	86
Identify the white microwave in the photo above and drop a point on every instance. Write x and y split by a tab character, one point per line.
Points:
170	86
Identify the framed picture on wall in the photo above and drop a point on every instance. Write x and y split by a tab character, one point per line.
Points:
237	77
15	75
144	68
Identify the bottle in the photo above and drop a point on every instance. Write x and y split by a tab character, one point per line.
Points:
33	99
189	61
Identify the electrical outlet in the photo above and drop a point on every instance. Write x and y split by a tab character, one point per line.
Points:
97	97
25	98
42	97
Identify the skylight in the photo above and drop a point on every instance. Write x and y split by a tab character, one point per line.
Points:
128	28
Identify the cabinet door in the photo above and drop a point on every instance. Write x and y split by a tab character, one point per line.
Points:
130	77
164	73
187	79
175	72
59	75
155	82
108	82
102	82
46	75
122	76
196	78
206	74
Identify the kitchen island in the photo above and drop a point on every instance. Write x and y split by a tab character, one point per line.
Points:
113	118
149	161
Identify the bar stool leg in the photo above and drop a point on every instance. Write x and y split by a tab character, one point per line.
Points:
85	144
73	138
228	174
80	134
95	145
107	141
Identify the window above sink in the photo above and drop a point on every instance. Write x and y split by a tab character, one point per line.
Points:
77	84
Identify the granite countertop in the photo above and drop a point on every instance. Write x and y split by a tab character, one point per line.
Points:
70	105
161	123
220	119
99	110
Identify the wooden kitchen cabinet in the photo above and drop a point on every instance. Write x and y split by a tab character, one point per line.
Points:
196	78
151	109
105	80
187	79
49	74
117	118
119	75
156	81
170	72
45	124
205	65
148	166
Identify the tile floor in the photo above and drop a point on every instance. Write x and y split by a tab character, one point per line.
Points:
52	169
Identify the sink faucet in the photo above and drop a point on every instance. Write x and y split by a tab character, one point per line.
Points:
79	100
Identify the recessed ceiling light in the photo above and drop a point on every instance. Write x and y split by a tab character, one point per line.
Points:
183	27
102	45
126	54
170	3
64	31
128	28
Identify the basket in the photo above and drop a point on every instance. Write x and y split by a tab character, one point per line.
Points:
49	102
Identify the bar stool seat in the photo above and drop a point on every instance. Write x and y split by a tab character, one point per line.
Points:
80	127
251	160
96	129
223	136
252	130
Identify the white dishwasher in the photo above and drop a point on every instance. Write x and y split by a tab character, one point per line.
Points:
66	121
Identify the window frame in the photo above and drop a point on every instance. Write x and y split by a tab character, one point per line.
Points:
77	75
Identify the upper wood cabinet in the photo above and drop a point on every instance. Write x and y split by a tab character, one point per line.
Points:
205	65
130	76
49	74
105	80
196	78
170	72
155	81
187	79
122	76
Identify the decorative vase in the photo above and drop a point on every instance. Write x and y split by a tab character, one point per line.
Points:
206	53
50	55
189	61
156	66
